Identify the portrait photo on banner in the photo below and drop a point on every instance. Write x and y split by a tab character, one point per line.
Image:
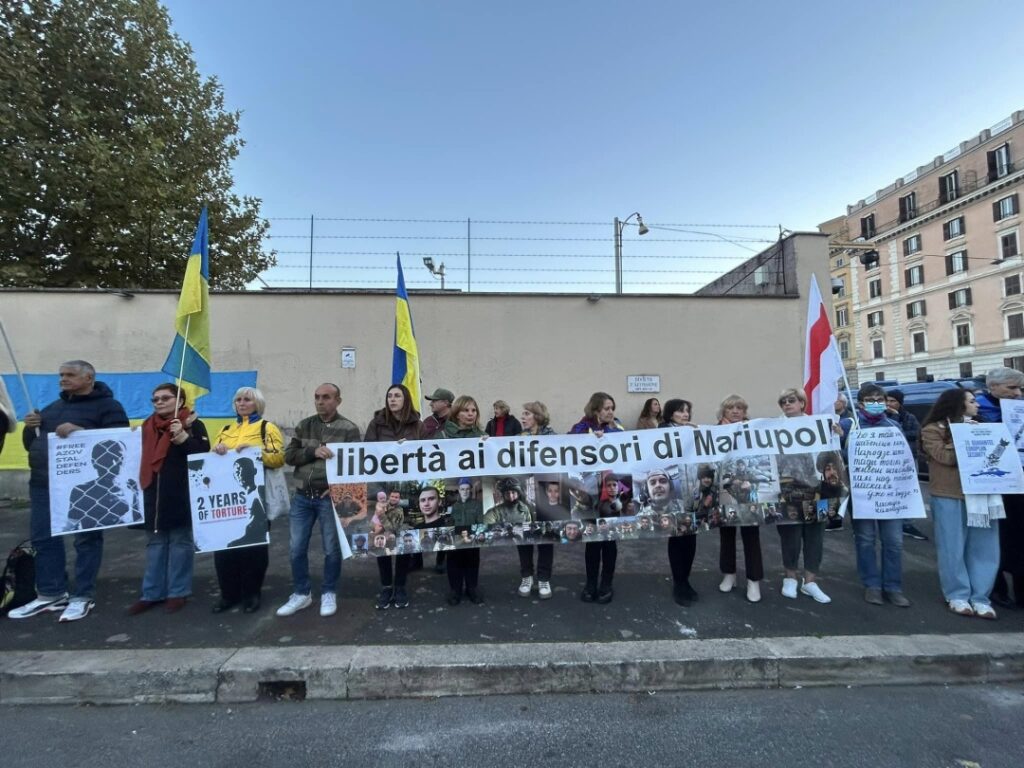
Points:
94	480
227	498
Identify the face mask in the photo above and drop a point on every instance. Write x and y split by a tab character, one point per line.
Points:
874	409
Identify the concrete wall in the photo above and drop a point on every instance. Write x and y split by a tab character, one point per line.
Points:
518	347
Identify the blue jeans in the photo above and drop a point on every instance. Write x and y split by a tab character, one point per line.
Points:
890	534
168	565
51	558
968	558
304	513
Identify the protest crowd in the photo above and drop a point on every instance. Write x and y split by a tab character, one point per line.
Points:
979	538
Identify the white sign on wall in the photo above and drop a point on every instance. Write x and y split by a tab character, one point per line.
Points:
643	382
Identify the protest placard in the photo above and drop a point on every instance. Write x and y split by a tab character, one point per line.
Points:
94	480
227	498
986	458
1013	418
883	475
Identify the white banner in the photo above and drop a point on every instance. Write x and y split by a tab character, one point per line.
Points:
883	475
94	480
1013	418
986	458
227	495
614	451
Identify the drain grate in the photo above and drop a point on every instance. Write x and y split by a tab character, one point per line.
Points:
283	690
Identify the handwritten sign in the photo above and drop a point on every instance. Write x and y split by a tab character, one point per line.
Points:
883	476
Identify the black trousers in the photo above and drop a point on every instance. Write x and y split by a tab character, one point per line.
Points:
240	572
401	570
463	569
545	557
681	551
1011	549
751	551
600	557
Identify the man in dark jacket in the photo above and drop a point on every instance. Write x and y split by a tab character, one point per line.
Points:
84	403
912	431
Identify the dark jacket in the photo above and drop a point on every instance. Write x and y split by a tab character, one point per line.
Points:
380	429
4	425
166	500
989	409
96	410
911	427
310	474
512	426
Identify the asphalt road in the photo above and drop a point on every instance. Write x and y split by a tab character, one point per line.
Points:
949	727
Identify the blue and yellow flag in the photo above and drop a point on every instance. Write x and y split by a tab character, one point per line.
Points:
405	365
189	358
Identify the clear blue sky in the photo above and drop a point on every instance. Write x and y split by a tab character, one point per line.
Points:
724	113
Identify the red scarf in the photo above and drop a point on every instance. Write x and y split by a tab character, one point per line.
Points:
156	440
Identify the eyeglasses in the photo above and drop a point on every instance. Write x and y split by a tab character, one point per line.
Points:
788	400
162	398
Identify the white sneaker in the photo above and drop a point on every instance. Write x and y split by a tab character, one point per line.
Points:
77	609
754	591
328	604
39	605
526	586
295	604
728	582
544	589
789	588
813	590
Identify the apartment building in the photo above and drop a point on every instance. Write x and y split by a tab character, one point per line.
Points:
935	272
842	303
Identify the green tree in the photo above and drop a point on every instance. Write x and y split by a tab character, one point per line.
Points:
110	143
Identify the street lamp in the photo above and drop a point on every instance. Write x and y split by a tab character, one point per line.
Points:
619	226
435	271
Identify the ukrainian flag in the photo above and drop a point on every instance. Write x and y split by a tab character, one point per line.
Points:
190	353
405	365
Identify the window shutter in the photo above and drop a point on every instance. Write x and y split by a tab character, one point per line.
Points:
952	300
966	261
906	277
995	211
949	264
924	308
992	168
1014	206
967	297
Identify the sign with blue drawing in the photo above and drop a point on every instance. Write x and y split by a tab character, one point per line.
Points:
1013	418
987	459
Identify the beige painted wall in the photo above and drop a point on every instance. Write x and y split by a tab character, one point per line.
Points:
518	347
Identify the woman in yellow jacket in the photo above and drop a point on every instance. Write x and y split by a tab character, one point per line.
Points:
240	571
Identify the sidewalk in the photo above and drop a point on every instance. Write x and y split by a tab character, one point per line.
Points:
508	644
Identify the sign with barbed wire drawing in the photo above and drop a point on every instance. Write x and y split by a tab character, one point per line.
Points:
987	458
1013	418
227	498
651	499
94	480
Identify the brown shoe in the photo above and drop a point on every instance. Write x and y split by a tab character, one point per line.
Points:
141	606
174	604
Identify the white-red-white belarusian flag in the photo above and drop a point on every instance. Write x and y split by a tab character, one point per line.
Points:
823	366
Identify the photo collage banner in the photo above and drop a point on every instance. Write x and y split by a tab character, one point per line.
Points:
578	488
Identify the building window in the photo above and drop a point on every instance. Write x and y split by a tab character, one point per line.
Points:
867	226
956	262
963	334
908	206
1011	285
966	370
1003	209
876	349
919	342
960	298
953	228
949	187
875	319
921	373
1017	363
879	375
916	309
999	164
840	262
844	349
841	318
875	288
914	276
1008	245
1015	326
911	245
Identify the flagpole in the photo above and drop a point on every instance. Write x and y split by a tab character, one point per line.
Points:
17	370
184	345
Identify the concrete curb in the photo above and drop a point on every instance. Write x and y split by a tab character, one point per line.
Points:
351	672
